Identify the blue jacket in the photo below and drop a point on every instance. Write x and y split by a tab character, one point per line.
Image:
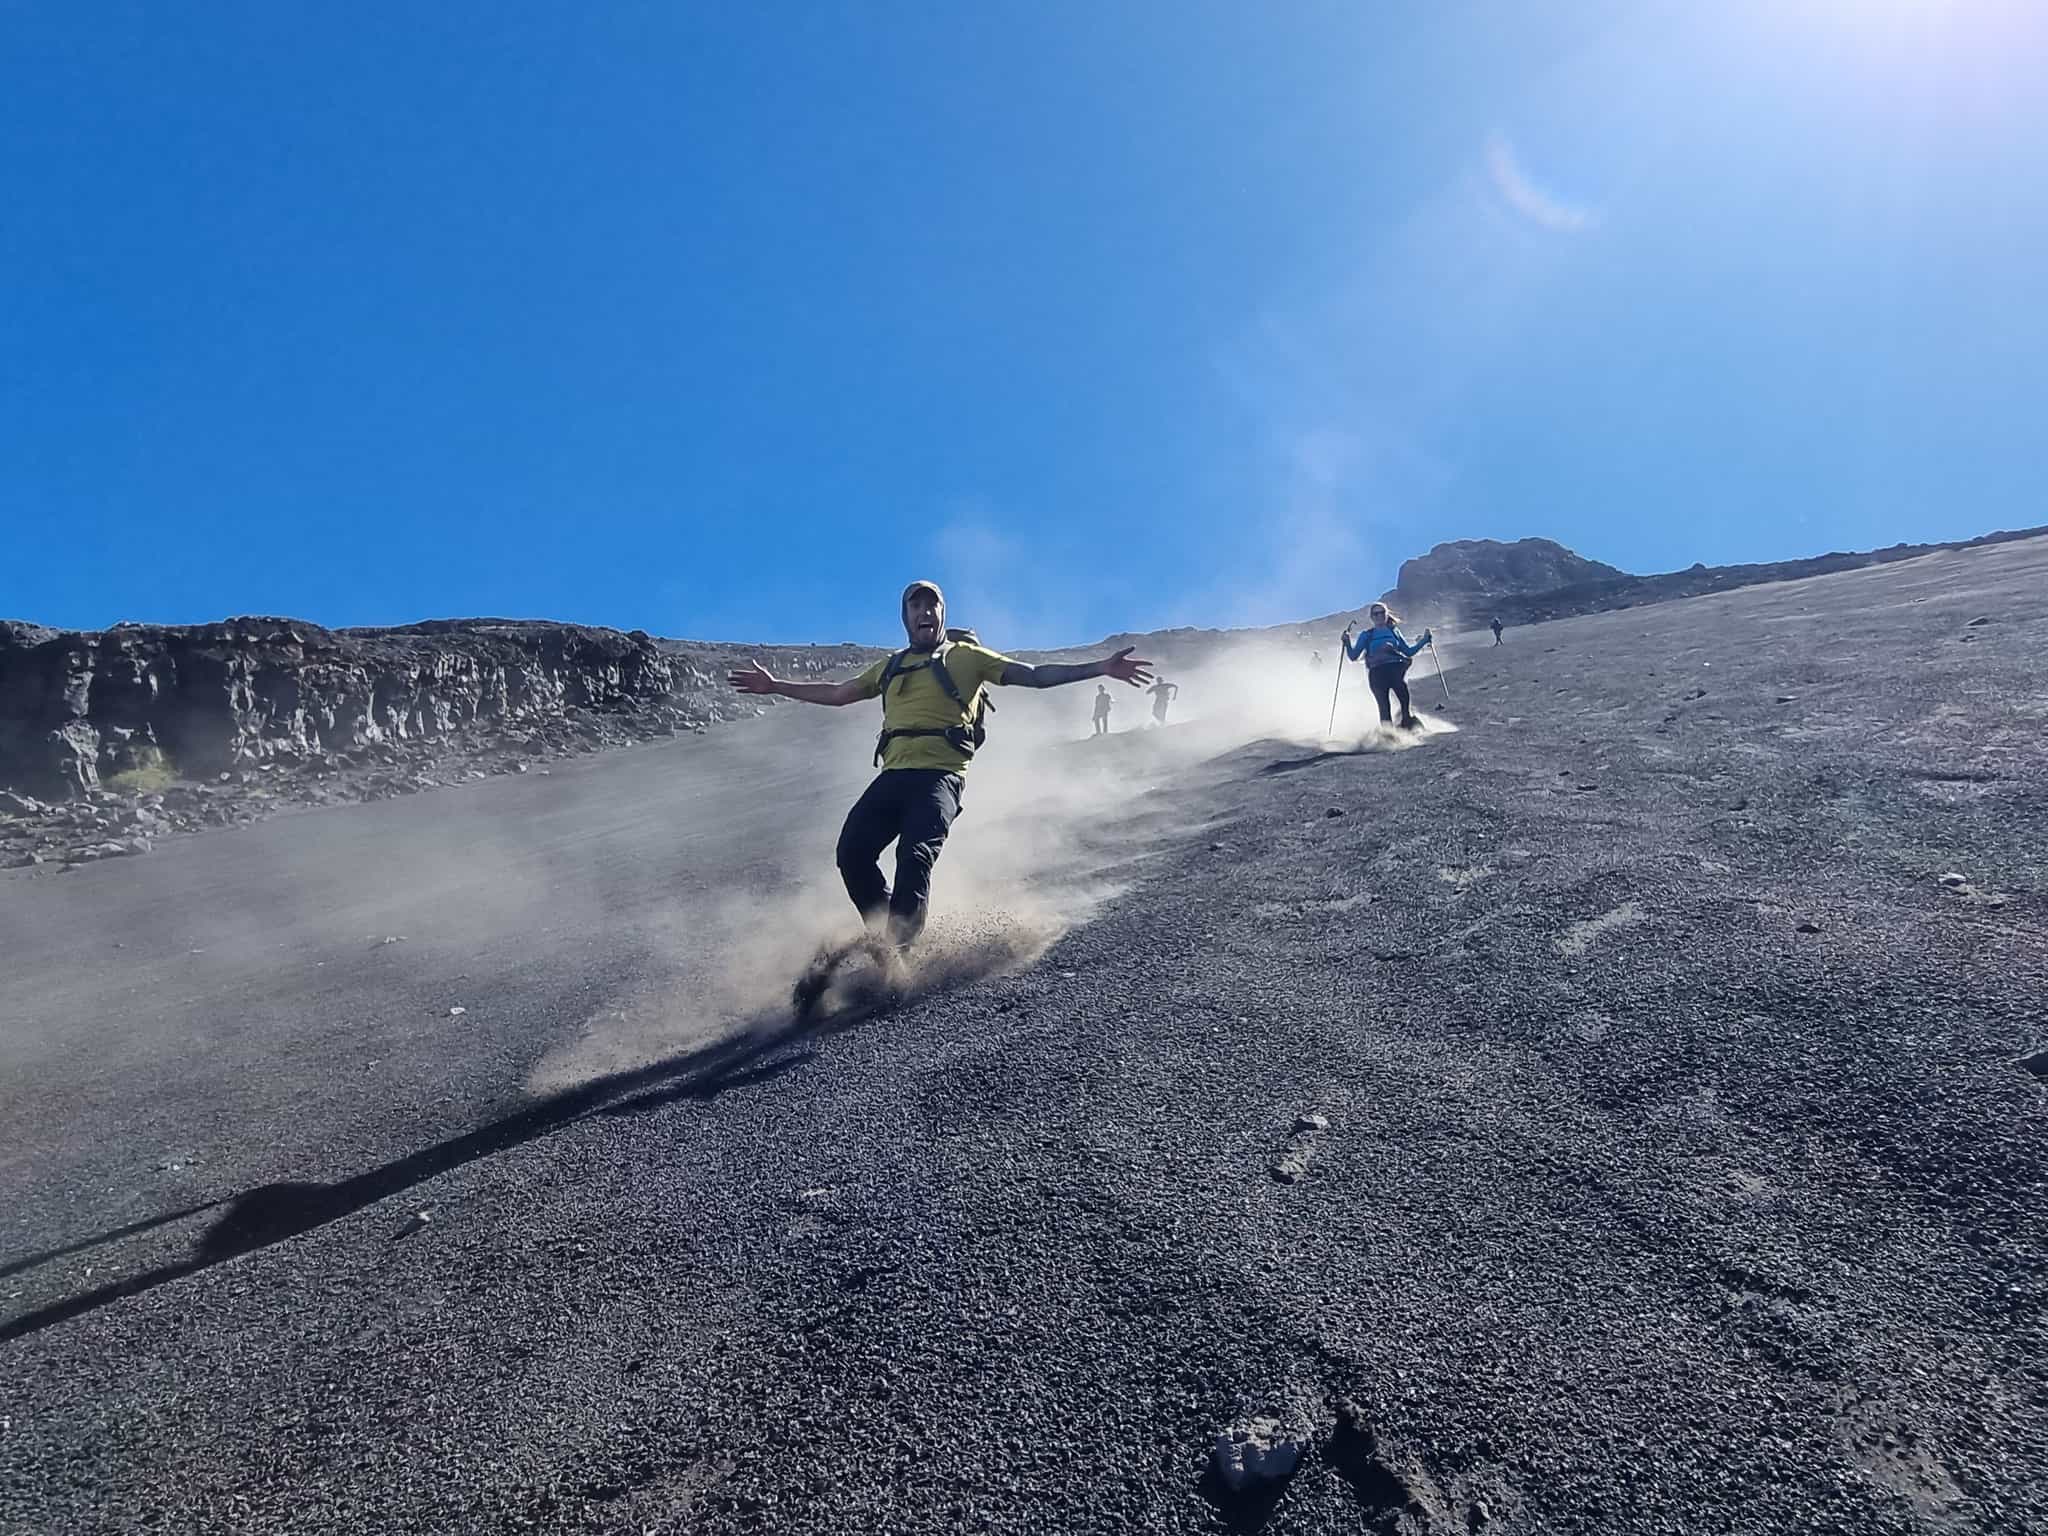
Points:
1383	645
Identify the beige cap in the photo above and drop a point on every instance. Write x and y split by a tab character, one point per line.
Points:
921	586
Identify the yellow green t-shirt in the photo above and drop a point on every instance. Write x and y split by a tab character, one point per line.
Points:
918	701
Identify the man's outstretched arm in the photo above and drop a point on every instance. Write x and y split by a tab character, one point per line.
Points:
755	678
1122	666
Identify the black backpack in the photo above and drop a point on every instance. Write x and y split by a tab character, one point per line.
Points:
967	737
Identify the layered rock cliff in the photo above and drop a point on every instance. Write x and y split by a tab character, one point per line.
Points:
109	737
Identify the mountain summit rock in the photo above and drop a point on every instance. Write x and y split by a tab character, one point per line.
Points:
1464	575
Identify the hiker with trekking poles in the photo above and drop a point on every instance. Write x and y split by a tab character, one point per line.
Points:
1386	655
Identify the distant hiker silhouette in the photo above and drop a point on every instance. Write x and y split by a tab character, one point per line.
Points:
1163	693
1103	705
1496	631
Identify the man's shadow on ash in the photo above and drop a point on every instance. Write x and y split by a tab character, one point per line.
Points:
270	1213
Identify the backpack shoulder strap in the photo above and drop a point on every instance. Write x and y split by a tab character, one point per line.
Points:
944	675
889	674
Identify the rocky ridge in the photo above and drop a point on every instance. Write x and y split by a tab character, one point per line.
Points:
1471	581
110	739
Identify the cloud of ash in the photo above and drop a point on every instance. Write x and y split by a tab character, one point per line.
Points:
1053	822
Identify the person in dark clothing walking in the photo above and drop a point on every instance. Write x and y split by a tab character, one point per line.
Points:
1386	656
932	703
1496	631
1103	705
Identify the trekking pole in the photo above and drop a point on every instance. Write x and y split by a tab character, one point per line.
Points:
1439	668
1337	683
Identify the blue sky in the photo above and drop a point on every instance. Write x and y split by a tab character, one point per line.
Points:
724	321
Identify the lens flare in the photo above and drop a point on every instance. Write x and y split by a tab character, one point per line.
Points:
1533	202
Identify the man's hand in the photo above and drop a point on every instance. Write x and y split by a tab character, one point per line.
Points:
752	678
1125	669
1057	674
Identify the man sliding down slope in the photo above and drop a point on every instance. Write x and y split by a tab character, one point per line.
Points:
932	705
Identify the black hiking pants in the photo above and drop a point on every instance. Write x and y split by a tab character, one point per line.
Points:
1389	677
914	808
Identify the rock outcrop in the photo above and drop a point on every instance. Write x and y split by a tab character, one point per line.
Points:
214	697
217	723
1466	575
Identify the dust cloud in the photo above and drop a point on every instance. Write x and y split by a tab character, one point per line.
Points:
1055	822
